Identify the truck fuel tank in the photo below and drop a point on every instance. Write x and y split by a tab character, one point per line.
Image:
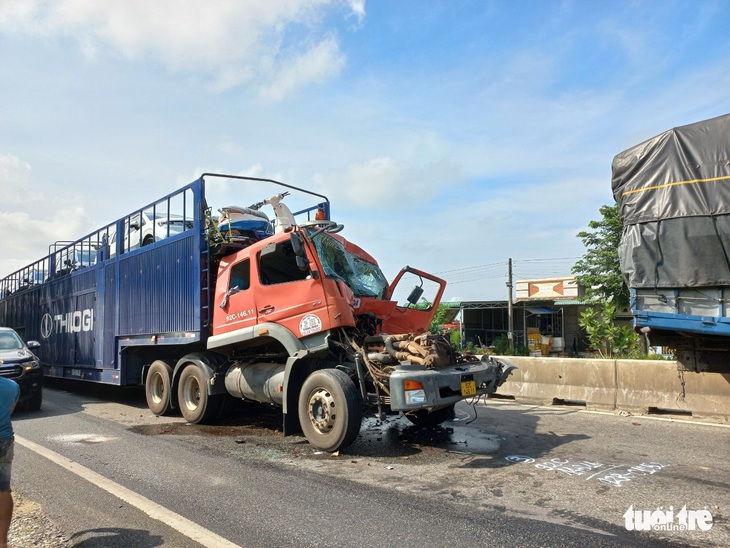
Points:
261	382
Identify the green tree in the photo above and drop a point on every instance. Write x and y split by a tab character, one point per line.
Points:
604	336
599	270
437	324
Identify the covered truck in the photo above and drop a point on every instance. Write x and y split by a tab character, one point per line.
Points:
673	193
204	309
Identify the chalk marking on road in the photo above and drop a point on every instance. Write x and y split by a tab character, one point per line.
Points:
183	525
558	464
604	470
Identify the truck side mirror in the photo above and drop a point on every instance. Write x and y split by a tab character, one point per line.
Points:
415	295
297	245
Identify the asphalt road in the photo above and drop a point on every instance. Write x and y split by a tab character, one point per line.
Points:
516	475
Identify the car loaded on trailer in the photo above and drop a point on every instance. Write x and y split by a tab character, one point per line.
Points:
226	306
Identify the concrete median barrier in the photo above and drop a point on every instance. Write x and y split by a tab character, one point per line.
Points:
643	386
543	380
659	386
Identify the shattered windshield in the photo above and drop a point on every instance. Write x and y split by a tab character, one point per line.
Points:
363	277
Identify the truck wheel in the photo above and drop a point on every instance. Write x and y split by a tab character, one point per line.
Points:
330	409
422	417
157	388
196	405
149	239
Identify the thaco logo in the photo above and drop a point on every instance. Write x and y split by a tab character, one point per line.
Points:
68	322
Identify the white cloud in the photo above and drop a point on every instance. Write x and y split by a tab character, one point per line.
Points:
29	219
315	64
358	8
390	183
236	42
15	177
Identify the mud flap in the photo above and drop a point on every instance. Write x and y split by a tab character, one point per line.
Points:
507	369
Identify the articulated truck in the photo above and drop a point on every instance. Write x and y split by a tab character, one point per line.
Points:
673	193
205	308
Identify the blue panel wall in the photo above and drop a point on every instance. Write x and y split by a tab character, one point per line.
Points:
101	310
60	315
107	324
159	288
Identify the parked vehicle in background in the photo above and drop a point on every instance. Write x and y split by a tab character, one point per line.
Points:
18	363
218	309
673	193
151	226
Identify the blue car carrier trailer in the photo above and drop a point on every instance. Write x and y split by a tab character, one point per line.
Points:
103	304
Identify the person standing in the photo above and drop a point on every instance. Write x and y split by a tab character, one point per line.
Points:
9	392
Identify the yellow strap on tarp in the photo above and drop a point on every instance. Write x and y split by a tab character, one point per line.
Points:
666	185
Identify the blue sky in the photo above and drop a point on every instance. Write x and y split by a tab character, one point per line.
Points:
449	135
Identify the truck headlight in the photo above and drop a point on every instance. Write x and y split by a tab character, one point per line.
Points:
414	392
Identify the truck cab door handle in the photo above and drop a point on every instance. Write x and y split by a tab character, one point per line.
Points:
266	309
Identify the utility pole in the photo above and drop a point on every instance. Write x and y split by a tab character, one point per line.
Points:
510	317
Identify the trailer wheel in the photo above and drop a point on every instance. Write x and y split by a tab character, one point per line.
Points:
423	418
196	405
330	409
157	388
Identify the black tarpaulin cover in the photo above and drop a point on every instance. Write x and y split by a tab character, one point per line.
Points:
673	193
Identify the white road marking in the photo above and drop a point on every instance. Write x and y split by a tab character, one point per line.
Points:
183	525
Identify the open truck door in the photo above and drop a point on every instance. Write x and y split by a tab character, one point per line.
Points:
410	318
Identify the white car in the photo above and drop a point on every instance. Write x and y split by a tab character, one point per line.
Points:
148	228
156	227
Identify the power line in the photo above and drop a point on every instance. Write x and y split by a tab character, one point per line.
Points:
553	259
523	269
470	268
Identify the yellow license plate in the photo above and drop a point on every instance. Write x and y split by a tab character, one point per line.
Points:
468	388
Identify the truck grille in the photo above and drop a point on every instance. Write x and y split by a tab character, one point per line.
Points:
12	372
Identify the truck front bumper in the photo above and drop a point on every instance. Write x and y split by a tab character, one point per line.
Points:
416	387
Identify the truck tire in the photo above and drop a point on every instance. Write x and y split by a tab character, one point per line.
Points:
330	409
423	418
157	388
196	405
149	239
